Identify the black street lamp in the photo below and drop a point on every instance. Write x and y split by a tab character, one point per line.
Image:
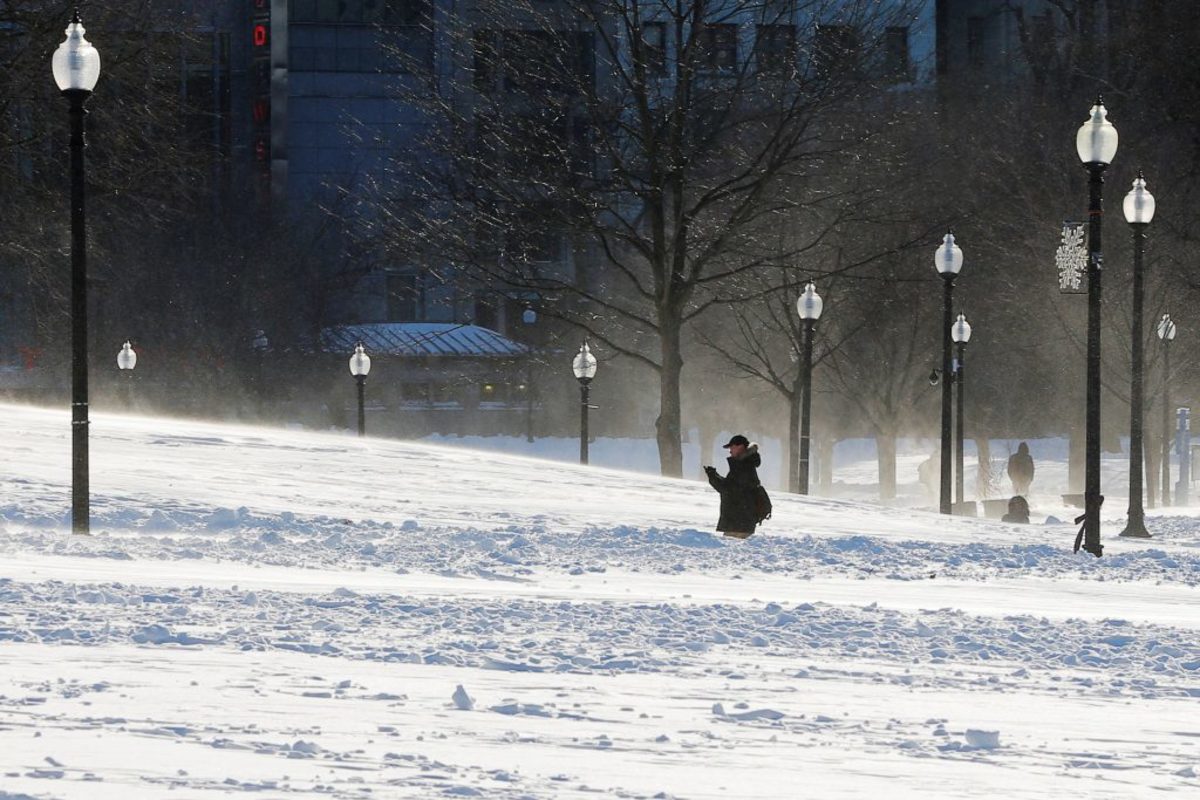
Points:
529	317
126	361
1139	210
584	367
1096	143
948	259
809	306
1166	334
76	68
360	367
961	334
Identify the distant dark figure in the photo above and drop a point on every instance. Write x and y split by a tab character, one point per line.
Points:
1018	511
929	473
1020	470
738	515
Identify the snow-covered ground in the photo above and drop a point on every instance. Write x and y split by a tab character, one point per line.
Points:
293	614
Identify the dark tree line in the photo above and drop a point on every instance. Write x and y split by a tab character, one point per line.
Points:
660	176
179	260
663	153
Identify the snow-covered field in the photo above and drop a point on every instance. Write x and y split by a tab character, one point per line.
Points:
293	615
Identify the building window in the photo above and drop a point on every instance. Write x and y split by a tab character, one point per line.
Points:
390	36
543	247
895	55
486	60
654	47
775	49
414	394
359	12
486	315
444	394
975	41
1042	43
403	298
835	51
717	46
535	62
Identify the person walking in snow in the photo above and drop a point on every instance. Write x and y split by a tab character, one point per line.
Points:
1020	470
738	488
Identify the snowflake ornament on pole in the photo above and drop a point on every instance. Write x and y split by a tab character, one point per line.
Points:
1071	259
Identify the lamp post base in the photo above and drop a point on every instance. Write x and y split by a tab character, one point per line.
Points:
1135	530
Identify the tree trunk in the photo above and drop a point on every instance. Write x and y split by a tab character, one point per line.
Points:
825	465
668	427
793	443
1153	465
708	436
885	446
983	473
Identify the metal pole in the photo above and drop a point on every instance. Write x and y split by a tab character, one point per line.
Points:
806	405
529	402
80	511
1136	525
583	420
947	301
1183	449
1166	424
362	413
1090	531
958	447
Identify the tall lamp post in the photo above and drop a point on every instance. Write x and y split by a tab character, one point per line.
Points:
584	367
948	259
529	317
360	367
76	68
809	306
1139	210
1096	143
1166	334
961	334
126	361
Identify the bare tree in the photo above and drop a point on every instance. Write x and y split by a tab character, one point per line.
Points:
663	140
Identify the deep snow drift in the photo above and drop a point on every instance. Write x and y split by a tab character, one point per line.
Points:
316	615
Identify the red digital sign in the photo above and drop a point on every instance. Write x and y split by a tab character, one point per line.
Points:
261	110
260	75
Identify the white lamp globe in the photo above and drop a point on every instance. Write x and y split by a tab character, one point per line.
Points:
809	304
360	362
529	316
1096	141
1166	328
127	358
960	331
1139	203
75	64
584	365
949	257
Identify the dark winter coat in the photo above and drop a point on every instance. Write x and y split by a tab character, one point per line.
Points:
737	492
1020	469
1018	510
